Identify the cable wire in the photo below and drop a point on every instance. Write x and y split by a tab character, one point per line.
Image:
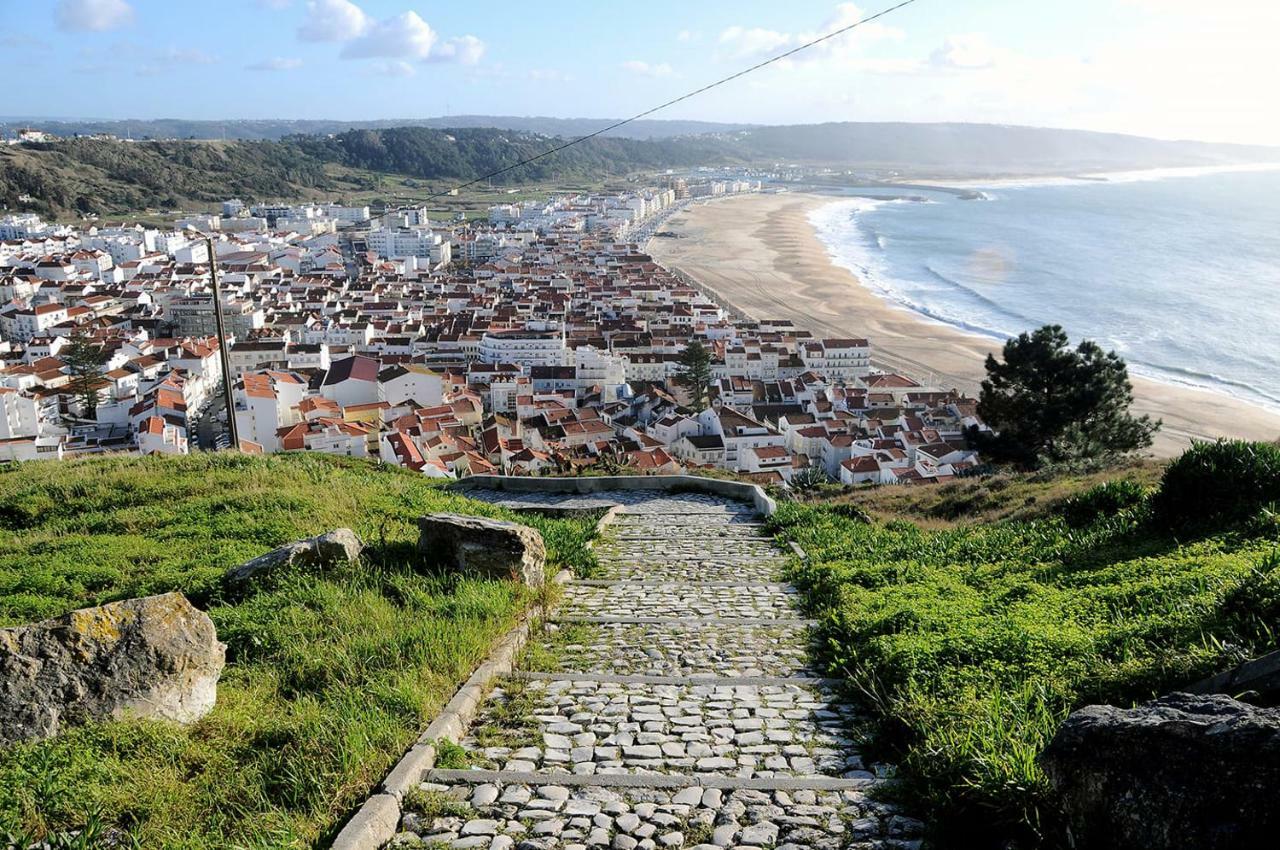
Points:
793	51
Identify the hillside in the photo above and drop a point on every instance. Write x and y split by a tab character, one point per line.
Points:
969	642
329	677
110	177
85	175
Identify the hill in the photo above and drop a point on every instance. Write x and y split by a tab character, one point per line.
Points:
111	177
276	129
329	677
104	176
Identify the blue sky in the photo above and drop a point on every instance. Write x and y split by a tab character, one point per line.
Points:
1167	68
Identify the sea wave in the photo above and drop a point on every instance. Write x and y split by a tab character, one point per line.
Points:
1103	177
849	240
1180	376
853	242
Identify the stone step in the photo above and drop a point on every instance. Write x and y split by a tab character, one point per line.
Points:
678	599
493	813
692	679
652	780
597	726
642	583
681	649
675	621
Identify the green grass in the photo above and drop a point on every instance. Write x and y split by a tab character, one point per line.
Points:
969	644
329	677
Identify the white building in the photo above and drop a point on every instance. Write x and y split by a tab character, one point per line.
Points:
525	347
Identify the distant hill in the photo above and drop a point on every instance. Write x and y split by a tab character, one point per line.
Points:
275	129
984	148
91	175
112	177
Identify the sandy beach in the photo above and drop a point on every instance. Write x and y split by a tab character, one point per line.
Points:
760	255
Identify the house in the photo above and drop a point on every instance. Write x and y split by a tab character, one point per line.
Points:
352	380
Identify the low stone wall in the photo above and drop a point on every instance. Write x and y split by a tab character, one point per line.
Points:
1259	677
751	493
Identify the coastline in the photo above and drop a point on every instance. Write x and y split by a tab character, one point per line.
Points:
760	255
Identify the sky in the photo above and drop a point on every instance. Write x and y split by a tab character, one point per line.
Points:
1163	68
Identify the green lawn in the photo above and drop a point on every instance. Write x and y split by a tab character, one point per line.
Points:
970	644
329	677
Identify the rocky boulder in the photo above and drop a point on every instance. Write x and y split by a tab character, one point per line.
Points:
1181	771
339	546
493	548
155	657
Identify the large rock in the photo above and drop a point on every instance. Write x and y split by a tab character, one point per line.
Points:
491	547
155	657
333	547
1182	771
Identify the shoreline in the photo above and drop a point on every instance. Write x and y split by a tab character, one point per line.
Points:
761	256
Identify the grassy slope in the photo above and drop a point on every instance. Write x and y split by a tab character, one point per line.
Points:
971	641
329	677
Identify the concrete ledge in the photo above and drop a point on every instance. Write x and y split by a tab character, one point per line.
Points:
751	493
375	823
372	826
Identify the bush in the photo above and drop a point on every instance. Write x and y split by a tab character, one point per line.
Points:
1102	500
1228	481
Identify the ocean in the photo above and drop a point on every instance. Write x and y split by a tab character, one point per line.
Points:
1178	271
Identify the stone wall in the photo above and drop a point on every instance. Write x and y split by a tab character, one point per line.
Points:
750	493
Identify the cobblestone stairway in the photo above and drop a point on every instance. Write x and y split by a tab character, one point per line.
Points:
670	704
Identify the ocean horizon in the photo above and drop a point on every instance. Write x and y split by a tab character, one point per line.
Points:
1177	270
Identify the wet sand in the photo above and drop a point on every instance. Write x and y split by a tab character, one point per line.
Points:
759	255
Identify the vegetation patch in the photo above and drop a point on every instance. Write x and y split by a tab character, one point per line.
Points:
329	677
971	643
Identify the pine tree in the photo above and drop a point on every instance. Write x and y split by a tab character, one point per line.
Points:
1049	403
84	361
694	373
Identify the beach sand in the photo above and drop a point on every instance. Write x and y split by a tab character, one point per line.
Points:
759	255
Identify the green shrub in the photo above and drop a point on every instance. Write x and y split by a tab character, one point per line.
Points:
1228	481
1102	500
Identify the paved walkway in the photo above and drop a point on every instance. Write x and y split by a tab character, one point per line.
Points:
671	703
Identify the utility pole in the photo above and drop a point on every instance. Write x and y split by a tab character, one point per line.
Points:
223	354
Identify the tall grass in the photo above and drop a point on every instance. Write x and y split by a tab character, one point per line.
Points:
971	644
329	677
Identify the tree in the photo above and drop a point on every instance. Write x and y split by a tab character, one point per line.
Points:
84	361
694	373
1049	403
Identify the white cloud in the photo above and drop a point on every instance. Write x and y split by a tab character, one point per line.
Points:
687	36
404	36
646	69
333	20
275	63
745	43
465	50
966	51
93	15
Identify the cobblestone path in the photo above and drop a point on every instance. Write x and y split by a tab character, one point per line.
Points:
669	704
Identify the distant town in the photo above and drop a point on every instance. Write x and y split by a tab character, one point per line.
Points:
543	340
